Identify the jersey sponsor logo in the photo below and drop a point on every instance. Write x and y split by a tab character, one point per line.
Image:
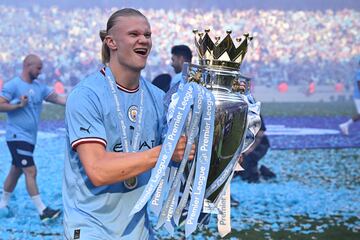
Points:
118	147
85	129
132	113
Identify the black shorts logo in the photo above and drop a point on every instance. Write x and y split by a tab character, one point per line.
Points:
77	234
24	162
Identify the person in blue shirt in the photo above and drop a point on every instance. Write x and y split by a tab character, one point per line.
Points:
162	81
21	98
179	55
344	127
253	155
115	124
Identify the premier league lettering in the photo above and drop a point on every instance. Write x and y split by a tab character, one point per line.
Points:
202	166
202	181
210	105
156	198
171	136
191	130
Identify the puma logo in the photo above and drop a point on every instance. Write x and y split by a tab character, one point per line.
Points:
85	129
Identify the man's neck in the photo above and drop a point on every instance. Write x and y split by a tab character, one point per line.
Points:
25	77
124	76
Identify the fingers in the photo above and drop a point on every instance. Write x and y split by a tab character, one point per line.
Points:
24	100
192	153
182	142
180	150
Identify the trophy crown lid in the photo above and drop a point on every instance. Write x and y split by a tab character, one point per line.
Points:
222	54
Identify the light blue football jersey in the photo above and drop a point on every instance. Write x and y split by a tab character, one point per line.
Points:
103	212
175	79
22	124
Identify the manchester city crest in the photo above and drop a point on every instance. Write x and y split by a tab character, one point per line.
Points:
132	113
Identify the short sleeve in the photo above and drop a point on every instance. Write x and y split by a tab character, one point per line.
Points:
8	91
83	118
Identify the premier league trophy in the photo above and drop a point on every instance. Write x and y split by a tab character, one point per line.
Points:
219	65
211	109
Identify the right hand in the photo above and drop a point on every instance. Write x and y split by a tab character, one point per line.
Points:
23	101
180	150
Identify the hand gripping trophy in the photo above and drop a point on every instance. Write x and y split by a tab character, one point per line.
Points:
212	110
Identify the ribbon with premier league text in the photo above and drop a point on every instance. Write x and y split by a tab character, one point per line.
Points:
193	115
177	192
202	164
191	132
175	129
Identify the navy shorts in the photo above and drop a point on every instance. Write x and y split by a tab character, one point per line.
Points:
21	153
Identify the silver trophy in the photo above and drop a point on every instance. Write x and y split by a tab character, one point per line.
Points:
218	71
211	108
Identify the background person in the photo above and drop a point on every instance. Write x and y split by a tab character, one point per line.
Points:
250	158
179	55
344	127
253	155
22	98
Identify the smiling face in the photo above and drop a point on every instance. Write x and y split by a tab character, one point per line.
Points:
130	42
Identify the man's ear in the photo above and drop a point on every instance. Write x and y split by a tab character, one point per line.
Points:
110	42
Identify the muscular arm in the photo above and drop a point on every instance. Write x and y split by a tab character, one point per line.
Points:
5	106
56	98
105	168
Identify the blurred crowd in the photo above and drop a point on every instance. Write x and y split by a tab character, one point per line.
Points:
295	47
